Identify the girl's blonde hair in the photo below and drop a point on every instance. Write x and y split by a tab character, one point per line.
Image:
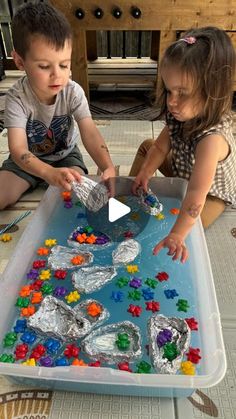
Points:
207	56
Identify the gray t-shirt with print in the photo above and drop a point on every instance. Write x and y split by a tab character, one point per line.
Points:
51	129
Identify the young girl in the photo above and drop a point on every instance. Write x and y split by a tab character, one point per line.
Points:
197	143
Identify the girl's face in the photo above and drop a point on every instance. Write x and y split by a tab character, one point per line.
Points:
182	102
47	68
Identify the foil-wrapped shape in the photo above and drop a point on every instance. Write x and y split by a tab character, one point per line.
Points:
92	194
92	278
126	252
54	318
149	202
93	311
102	239
179	334
103	343
61	258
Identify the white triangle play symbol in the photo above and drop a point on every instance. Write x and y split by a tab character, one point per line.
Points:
116	210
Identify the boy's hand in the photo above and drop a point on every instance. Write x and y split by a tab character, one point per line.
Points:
62	177
175	243
141	181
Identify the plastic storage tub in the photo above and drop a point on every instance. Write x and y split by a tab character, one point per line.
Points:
108	380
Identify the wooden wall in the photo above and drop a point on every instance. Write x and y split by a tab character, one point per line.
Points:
168	17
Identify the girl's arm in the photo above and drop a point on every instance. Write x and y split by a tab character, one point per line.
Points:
96	147
155	157
209	151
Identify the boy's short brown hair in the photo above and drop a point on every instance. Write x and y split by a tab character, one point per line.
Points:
39	19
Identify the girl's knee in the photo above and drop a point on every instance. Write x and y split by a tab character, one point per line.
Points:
212	210
146	145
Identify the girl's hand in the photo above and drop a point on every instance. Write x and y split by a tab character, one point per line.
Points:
175	243
108	177
62	177
141	181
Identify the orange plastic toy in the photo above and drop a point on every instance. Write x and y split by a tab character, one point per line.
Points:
77	260
25	291
174	211
36	298
93	309
79	363
28	311
43	251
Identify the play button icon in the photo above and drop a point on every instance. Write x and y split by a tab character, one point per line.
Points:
121	216
116	210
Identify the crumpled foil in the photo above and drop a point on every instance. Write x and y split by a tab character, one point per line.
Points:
101	344
103	240
60	258
126	252
81	310
149	202
181	335
92	278
92	194
54	318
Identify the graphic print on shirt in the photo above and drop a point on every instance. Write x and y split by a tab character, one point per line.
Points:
43	141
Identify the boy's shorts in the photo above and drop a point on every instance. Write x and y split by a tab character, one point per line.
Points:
74	158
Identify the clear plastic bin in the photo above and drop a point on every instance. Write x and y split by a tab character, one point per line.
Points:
108	380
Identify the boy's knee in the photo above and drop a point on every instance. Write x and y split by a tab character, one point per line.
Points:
7	200
4	204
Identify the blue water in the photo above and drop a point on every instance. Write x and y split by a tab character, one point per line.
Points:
63	221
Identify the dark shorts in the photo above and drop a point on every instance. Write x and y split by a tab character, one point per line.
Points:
74	158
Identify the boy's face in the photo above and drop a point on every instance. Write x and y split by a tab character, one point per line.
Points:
47	69
182	103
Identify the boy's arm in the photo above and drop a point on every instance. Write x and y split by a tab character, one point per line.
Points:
27	161
95	146
21	155
208	153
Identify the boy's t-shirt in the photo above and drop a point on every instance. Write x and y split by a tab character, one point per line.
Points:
51	129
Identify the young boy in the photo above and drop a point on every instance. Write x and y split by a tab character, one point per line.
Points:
42	107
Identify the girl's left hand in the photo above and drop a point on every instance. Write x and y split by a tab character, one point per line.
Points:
108	177
175	243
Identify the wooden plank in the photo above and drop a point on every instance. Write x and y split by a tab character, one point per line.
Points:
112	67
79	60
166	38
14	73
121	71
155	14
91	41
8	64
155	42
116	78
126	62
232	36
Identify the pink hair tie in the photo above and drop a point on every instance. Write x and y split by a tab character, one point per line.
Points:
189	40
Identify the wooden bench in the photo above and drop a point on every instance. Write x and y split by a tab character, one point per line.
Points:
168	17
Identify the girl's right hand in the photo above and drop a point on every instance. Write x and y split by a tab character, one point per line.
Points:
141	181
